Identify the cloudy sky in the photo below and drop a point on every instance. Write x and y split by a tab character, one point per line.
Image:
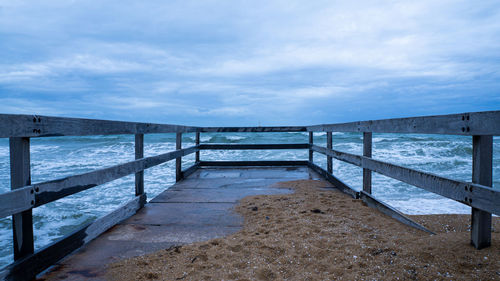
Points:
248	62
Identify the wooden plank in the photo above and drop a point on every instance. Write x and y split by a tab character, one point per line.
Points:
340	185
339	155
33	264
311	152
474	195
472	123
475	123
52	190
367	152
252	163
253	146
197	143
329	145
482	173
139	153
390	211
16	201
178	160
20	176
12	125
190	170
253	129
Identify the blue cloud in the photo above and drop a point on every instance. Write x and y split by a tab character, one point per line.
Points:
227	63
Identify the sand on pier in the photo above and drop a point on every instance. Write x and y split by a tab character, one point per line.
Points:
322	234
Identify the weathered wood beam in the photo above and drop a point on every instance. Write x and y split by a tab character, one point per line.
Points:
329	145
178	160
472	194
339	155
253	146
252	163
390	211
16	201
12	125
253	129
197	143
311	152
482	173
29	266
139	154
20	176
474	123
367	152
340	185
52	190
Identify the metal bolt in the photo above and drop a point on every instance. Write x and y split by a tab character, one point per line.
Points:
470	200
468	129
465	188
463	129
32	202
37	189
34	119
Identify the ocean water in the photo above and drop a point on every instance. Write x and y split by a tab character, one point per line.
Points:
53	158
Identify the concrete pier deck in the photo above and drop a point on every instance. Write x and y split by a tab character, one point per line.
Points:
195	209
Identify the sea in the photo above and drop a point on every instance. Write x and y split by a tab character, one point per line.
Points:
58	157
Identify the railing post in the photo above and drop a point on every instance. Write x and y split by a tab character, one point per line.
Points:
139	153
329	167
367	152
197	142
482	163
178	160
20	175
311	141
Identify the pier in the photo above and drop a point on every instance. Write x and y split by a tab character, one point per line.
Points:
198	206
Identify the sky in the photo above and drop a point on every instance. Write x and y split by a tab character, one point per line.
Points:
248	63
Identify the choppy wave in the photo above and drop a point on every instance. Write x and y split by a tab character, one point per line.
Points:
53	158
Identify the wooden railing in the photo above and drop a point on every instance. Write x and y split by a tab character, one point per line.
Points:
25	196
478	194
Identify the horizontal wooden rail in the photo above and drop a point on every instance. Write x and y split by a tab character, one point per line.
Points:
24	198
368	199
253	129
43	126
253	146
475	123
53	190
475	195
390	211
42	259
334	180
253	163
17	201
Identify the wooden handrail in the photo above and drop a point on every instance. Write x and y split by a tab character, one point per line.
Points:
25	196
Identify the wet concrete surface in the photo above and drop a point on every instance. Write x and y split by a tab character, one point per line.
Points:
198	208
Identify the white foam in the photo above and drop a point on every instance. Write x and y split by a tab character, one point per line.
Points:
423	206
235	138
